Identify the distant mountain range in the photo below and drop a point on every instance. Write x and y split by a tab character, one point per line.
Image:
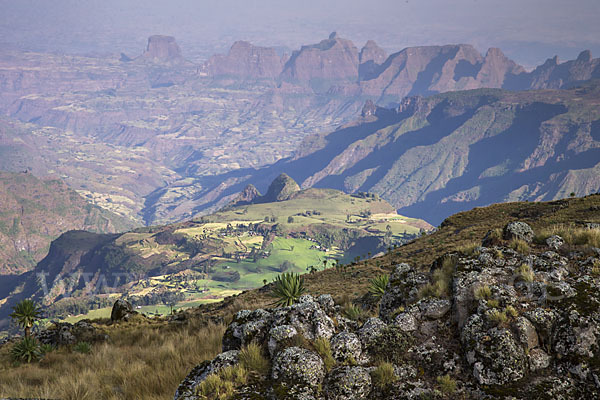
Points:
158	139
435	156
335	65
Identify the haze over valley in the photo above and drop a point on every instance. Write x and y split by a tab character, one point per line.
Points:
320	200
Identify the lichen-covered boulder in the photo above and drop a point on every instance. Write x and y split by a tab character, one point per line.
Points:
494	354
346	345
122	310
348	383
526	334
298	366
538	359
402	289
518	230
246	327
406	322
308	318
279	334
326	302
434	308
186	389
370	331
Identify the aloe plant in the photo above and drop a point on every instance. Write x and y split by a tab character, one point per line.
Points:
377	285
287	288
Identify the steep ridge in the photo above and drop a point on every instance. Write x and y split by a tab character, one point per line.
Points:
436	156
34	212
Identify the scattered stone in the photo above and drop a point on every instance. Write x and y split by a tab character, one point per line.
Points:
555	242
518	230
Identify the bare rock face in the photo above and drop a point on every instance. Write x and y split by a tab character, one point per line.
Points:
333	59
244	61
555	75
162	49
495	68
370	58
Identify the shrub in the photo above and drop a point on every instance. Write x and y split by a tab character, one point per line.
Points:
520	246
26	350
483	293
83	348
447	384
377	286
384	375
525	273
287	288
252	359
323	348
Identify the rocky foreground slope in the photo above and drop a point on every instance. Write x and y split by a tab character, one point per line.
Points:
506	318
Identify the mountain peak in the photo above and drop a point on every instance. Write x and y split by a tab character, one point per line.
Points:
281	188
162	48
585	56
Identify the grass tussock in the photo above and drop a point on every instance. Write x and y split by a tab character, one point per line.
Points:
441	285
497	317
469	249
573	235
446	384
252	359
384	375
519	246
123	368
483	293
323	348
525	273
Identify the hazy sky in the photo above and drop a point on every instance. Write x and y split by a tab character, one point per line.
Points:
527	30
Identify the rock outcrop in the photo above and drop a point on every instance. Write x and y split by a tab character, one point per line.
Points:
320	65
281	189
162	49
475	326
246	61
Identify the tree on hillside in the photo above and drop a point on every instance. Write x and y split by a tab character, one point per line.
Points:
25	314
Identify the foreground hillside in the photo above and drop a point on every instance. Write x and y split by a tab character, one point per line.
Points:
435	156
34	212
206	259
467	345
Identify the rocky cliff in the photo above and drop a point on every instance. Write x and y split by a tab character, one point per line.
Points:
162	49
246	61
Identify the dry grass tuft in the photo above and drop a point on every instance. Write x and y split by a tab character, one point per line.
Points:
573	235
141	361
